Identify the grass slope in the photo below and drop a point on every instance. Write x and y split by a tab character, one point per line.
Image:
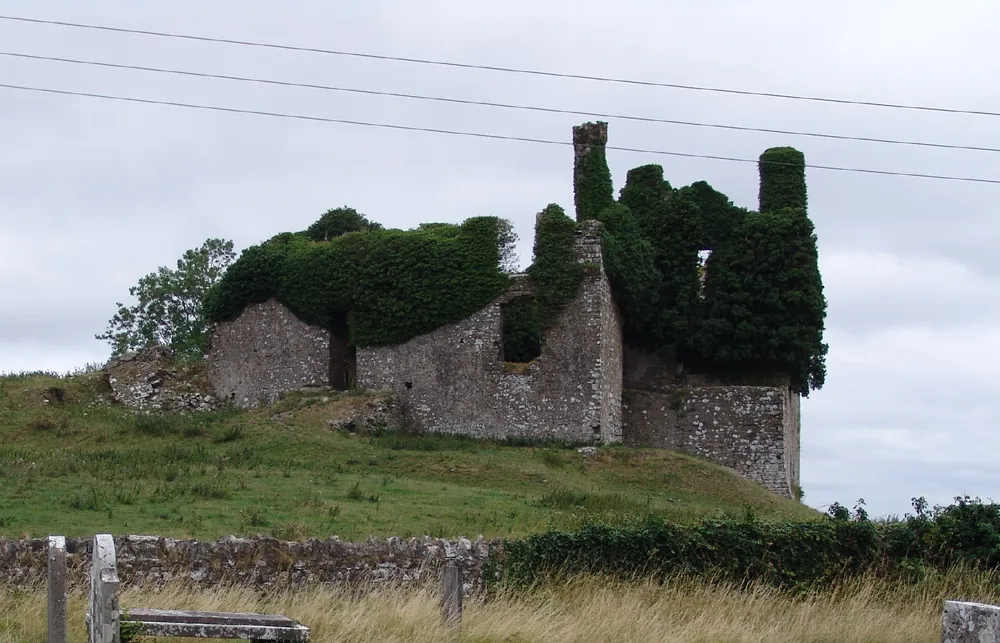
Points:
76	468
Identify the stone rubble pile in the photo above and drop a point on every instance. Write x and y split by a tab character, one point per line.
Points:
150	380
375	416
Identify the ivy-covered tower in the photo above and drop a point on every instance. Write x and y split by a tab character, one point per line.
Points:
592	188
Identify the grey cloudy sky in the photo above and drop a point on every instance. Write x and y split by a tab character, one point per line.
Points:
94	194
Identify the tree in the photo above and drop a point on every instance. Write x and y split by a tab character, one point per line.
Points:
340	221
170	304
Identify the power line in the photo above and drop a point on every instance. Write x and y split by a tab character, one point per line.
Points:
550	110
434	130
510	70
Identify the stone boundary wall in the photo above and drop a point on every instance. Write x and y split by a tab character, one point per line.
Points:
258	562
265	352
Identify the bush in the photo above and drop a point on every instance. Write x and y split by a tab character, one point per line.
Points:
783	554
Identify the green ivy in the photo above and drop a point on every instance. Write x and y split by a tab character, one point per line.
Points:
392	285
592	187
765	307
782	179
630	264
644	193
718	217
674	233
556	273
761	312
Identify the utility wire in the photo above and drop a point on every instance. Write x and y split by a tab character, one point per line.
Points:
433	130
510	70
550	110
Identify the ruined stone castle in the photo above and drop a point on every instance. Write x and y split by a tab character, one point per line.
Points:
586	385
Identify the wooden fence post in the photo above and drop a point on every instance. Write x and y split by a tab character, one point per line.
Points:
102	617
57	589
451	595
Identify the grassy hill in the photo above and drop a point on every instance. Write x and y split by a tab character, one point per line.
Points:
74	467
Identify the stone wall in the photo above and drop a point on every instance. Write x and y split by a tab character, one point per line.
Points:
454	379
753	430
258	562
265	352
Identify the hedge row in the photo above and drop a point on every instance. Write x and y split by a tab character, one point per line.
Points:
784	554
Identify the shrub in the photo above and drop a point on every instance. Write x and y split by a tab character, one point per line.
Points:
783	554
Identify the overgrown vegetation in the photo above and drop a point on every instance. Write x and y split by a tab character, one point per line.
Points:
802	554
782	179
390	284
761	311
556	273
764	304
592	187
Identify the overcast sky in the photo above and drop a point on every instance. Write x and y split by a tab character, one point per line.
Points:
94	194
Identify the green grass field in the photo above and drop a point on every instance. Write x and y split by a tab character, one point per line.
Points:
76	468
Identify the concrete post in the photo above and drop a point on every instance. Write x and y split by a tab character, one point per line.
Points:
970	623
57	589
102	621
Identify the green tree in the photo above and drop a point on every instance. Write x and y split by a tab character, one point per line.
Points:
340	221
170	304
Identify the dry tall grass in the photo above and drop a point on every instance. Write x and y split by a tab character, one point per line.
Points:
864	610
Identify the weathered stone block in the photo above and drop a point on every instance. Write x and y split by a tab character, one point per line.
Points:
970	623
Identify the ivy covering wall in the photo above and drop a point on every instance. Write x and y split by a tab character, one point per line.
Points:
392	285
761	311
593	190
556	273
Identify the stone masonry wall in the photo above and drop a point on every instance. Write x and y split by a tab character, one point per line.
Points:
258	562
453	380
753	430
611	365
267	351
